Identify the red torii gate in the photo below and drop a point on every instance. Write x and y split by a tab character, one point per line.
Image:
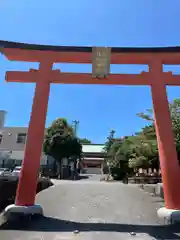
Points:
155	78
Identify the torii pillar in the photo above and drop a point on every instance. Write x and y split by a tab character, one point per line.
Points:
166	145
25	197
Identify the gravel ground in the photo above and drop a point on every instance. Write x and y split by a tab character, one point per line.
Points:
93	210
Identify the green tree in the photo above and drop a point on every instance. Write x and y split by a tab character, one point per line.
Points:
109	142
135	151
174	108
141	150
150	134
175	116
60	142
85	141
116	156
143	155
113	154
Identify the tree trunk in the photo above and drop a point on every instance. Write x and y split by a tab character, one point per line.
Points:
75	168
59	171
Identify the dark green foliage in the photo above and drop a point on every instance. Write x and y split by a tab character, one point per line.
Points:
109	142
85	141
8	186
140	150
60	141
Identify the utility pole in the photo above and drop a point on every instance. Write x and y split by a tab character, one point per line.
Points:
75	124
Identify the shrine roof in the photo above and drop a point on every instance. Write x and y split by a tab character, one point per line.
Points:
26	46
92	148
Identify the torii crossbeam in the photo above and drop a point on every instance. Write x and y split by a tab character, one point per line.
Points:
100	58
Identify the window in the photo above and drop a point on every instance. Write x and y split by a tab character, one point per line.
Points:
1	137
21	137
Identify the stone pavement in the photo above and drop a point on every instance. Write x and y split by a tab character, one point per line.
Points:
93	210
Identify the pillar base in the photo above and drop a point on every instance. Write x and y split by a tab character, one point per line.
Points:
170	216
13	211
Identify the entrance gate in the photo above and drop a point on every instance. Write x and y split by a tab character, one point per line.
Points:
100	58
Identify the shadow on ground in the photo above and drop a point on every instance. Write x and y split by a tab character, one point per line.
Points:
47	224
81	177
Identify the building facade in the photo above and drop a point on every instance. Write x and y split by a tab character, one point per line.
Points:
93	157
12	143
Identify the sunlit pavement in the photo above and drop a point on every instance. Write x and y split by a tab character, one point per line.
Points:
82	178
90	209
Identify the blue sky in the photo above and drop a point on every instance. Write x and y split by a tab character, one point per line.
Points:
87	23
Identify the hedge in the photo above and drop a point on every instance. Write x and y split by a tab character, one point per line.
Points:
8	186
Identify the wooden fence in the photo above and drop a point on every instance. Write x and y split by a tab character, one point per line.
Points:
145	180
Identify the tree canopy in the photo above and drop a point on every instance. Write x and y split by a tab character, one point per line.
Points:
85	141
60	141
109	142
140	150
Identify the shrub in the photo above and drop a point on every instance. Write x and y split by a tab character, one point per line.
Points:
8	186
43	183
117	173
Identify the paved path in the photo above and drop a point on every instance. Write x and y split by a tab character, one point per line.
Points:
97	210
83	178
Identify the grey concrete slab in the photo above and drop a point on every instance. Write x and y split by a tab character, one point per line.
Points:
156	189
97	210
